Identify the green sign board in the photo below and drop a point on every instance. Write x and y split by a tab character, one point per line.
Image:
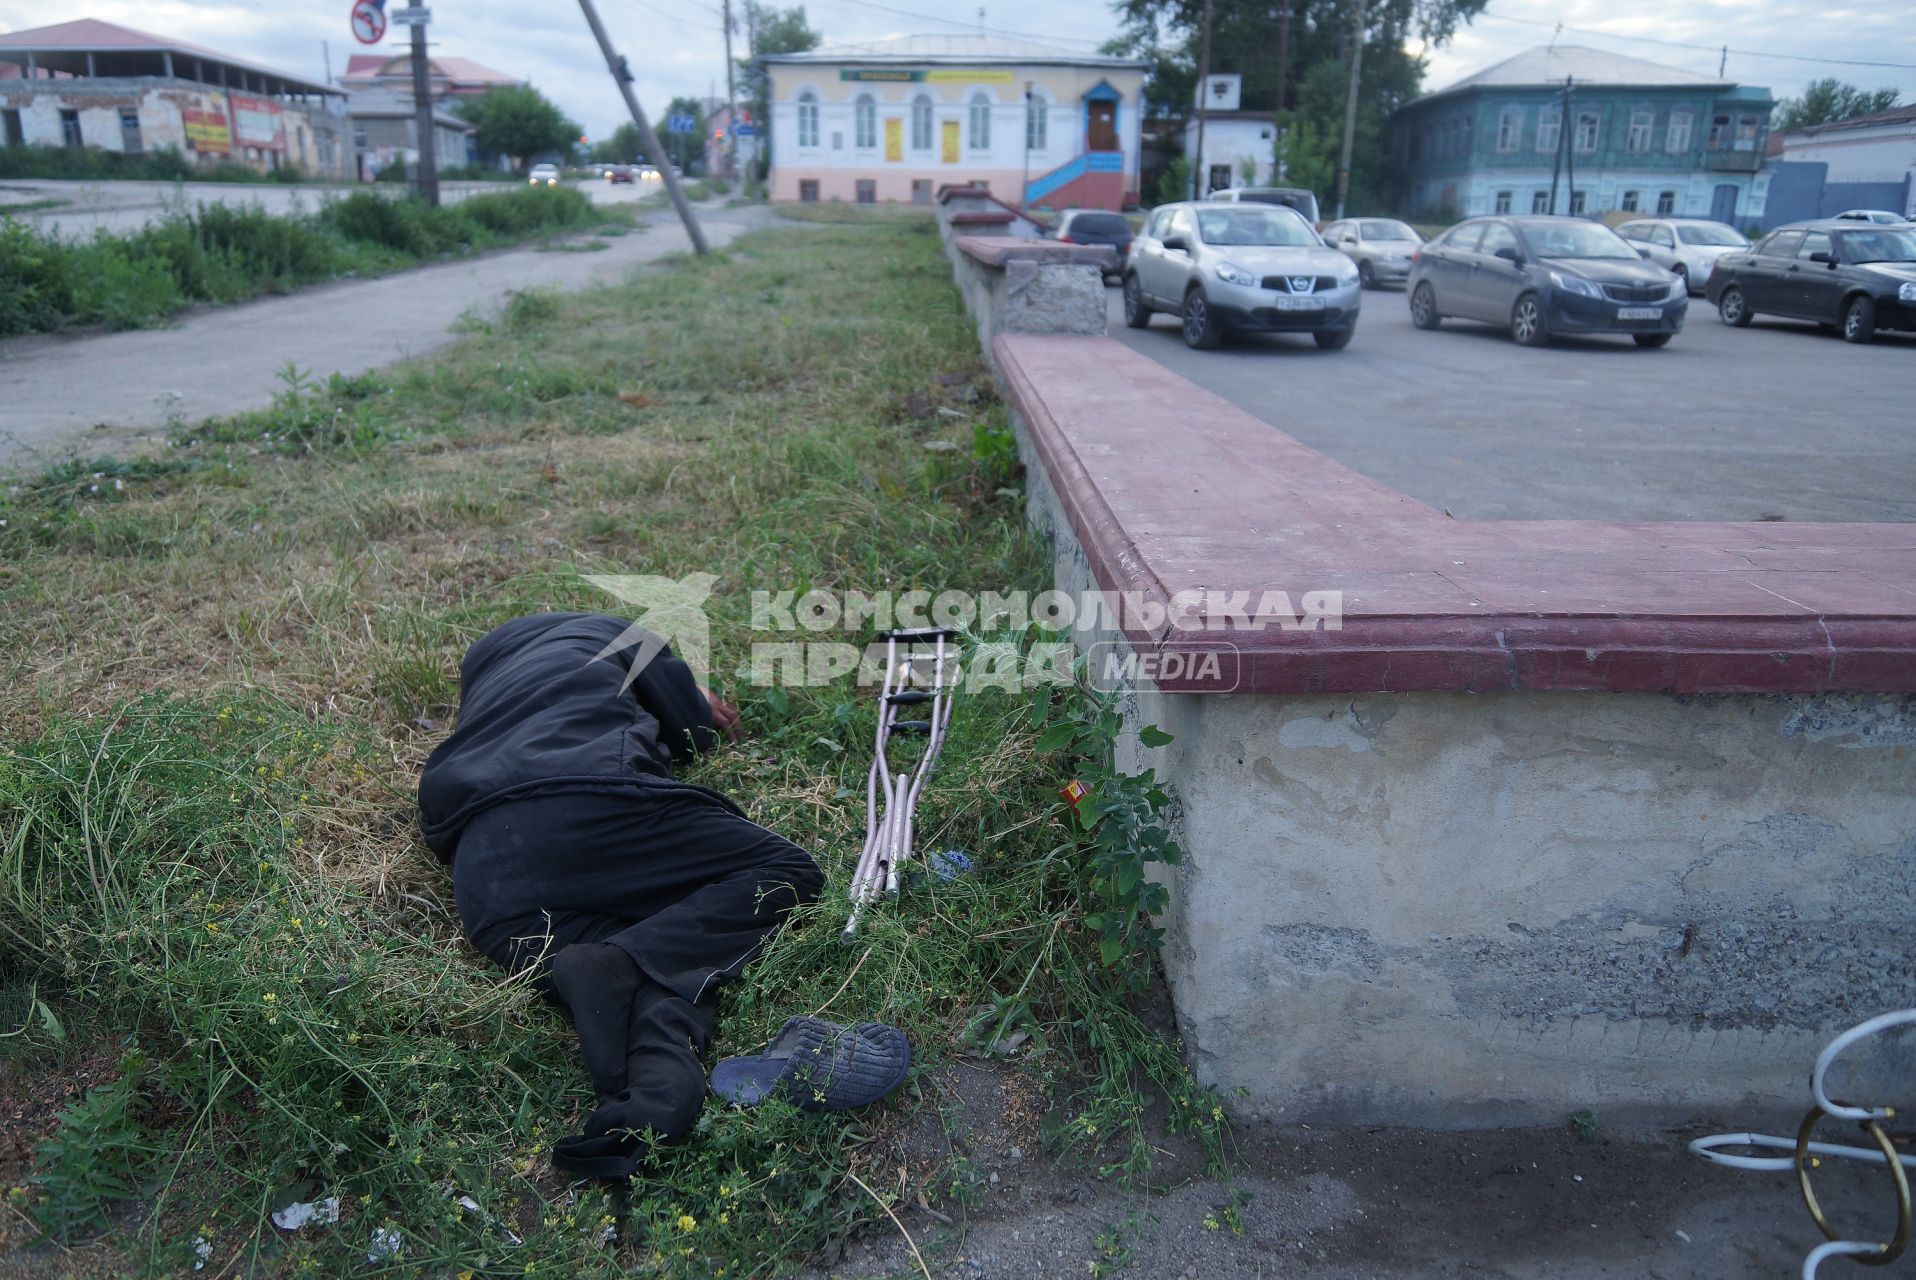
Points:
936	75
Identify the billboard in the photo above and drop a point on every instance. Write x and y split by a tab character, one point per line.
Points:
257	122
208	131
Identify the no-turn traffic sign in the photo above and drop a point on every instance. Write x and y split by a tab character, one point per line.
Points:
369	21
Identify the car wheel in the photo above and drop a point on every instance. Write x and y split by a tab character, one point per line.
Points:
1423	307
1200	326
1335	339
1526	322
1734	308
1859	319
1366	276
1652	340
1137	312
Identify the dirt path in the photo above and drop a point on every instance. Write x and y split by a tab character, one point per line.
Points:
99	393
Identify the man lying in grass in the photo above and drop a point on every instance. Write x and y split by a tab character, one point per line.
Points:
577	855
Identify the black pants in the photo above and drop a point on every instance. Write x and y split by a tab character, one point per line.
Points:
685	886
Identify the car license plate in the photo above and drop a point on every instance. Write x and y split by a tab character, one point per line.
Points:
1284	302
1639	313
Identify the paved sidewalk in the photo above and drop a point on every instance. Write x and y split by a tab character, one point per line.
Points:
99	393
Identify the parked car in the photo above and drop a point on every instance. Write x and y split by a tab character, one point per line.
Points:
1544	277
1228	267
1290	197
1882	217
544	175
1856	277
1094	226
1381	247
648	173
619	173
1687	246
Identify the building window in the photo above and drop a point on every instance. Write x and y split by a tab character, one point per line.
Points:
1746	130
808	122
921	190
1503	202
1035	122
130	131
1677	140
1719	131
980	122
1629	204
867	190
865	123
1540	202
1549	129
1509	129
1589	124
1576	203
1666	202
808	190
69	128
921	123
1641	125
10	119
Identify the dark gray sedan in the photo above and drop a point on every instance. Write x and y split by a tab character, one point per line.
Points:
1545	277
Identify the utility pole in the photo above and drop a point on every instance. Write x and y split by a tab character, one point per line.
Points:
1283	50
622	76
731	102
1350	113
1569	151
1200	181
1556	153
428	177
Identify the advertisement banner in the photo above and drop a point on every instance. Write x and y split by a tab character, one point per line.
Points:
940	75
257	122
948	141
208	131
894	141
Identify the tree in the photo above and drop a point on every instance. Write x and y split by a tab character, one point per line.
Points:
518	121
1245	37
622	147
684	148
772	30
1827	101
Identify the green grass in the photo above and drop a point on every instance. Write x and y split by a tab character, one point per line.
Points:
164	165
229	253
220	671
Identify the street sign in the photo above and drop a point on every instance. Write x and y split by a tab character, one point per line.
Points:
746	131
369	22
409	16
681	124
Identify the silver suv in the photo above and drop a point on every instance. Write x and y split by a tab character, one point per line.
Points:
1229	267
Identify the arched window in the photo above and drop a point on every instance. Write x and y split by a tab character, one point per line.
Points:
808	119
865	122
1037	110
980	122
921	123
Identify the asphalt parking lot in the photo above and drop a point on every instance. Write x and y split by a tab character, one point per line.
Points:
1777	421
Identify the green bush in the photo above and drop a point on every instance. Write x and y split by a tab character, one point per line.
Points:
164	165
35	291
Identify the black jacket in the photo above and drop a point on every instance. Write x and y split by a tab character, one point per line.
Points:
540	713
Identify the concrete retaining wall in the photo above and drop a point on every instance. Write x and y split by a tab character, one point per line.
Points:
1013	285
1482	904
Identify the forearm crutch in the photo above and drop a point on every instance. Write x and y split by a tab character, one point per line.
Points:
891	798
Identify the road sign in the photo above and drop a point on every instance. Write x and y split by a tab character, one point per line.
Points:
410	17
369	22
681	124
746	131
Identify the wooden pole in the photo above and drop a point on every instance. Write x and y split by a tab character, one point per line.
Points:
654	152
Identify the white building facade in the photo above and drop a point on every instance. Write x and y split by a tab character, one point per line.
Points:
891	122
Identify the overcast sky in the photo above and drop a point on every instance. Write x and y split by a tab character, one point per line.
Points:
675	46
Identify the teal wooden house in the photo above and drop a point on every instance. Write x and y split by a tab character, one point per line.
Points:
1643	138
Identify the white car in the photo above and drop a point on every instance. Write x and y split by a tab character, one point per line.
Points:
1882	217
1687	246
649	173
544	175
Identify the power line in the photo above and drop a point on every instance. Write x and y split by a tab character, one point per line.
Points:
1703	48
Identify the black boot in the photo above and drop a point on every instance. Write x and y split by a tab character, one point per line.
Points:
598	984
664	1088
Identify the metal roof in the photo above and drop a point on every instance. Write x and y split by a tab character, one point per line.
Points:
956	49
1547	66
91	35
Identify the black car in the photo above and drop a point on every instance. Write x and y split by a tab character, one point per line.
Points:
1095	226
1857	277
1545	277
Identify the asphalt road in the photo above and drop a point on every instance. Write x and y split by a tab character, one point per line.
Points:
85	207
1779	420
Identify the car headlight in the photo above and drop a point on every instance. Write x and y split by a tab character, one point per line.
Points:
1679	288
1907	291
1231	273
1346	274
1575	284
